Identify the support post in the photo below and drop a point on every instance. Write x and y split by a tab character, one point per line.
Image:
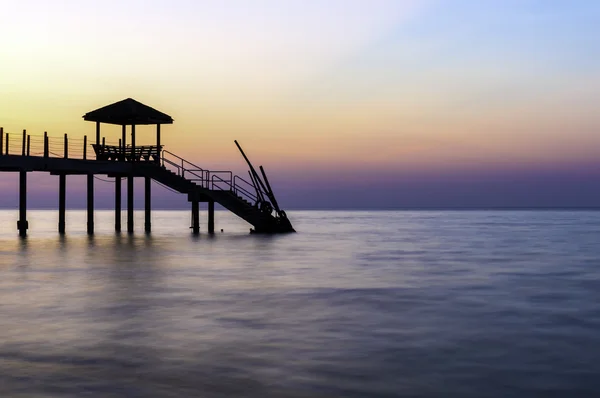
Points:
66	144
158	143
84	147
22	224
62	195
211	216
24	146
28	145
148	205
130	203
118	204
7	143
46	146
90	204
97	133
1	140
133	142
195	216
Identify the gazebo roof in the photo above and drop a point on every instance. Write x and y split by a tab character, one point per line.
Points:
128	112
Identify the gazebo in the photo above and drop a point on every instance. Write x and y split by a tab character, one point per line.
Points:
127	112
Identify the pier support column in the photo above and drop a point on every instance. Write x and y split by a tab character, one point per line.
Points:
22	224
118	204
195	217
211	217
147	205
90	204
130	204
62	200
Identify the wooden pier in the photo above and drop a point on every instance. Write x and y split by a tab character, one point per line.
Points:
252	201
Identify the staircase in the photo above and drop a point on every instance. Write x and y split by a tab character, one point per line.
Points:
246	200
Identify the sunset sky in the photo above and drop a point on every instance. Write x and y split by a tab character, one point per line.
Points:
347	103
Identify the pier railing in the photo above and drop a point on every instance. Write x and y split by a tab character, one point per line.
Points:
23	144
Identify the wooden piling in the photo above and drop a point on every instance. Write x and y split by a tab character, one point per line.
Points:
7	148
211	217
90	204
62	196
28	145
84	147
130	203
22	224
118	204
1	140
195	217
147	205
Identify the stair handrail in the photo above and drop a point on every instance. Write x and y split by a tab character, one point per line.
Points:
238	191
202	178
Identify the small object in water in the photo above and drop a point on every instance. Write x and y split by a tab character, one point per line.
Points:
221	230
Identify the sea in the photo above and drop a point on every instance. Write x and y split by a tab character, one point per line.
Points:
355	304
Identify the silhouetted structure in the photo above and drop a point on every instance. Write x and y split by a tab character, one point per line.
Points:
253	201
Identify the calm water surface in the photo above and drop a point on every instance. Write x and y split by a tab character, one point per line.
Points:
358	304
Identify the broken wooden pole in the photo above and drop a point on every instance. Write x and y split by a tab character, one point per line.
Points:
147	205
22	224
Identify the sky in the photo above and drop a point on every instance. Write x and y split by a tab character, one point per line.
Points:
347	103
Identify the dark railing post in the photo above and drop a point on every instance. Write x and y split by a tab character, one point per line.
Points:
84	147
1	140
46	151
28	145
7	147
24	146
66	146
